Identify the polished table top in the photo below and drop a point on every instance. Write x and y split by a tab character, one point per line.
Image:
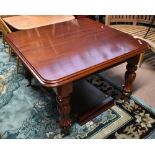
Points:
28	22
64	52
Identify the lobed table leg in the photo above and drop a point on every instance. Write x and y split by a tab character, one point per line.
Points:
63	98
130	76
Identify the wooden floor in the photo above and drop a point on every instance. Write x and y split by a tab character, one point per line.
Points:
144	85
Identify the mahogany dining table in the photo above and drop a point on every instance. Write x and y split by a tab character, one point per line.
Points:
60	54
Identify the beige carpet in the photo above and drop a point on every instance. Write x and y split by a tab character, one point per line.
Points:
144	85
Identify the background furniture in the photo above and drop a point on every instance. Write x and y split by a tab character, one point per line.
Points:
28	22
136	25
6	30
82	16
100	18
151	24
1	26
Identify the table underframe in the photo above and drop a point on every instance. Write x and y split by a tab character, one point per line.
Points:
64	92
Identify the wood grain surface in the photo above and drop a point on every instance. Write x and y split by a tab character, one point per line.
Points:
64	52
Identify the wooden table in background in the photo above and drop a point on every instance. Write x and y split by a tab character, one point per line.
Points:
60	54
28	22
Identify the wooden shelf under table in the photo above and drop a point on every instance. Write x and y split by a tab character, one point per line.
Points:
87	101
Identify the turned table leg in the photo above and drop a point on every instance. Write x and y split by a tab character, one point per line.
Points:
63	98
130	76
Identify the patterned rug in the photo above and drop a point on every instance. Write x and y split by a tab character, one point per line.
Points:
30	112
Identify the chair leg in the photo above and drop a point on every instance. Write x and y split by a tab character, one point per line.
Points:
3	40
17	65
141	59
10	53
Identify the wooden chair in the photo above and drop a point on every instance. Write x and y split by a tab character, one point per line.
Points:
6	30
3	16
136	25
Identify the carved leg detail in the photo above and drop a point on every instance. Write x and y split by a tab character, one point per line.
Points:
130	76
28	76
63	99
